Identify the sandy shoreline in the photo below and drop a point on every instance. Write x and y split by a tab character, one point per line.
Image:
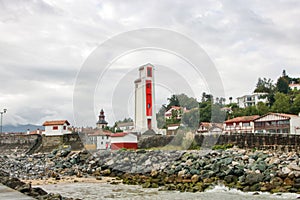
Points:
72	179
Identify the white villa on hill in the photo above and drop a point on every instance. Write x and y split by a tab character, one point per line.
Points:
252	99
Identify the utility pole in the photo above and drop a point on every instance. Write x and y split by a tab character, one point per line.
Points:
2	112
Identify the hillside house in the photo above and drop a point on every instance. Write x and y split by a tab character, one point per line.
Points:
277	123
125	126
294	86
244	124
205	127
175	112
252	99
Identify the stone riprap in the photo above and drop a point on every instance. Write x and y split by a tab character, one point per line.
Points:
35	192
247	170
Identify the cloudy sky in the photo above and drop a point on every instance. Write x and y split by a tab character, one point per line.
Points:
45	44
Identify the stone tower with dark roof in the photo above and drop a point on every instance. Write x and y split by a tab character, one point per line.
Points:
101	122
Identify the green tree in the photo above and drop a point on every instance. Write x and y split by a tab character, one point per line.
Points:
282	103
160	117
217	115
191	118
205	111
206	97
262	108
264	85
173	101
250	110
282	85
295	109
187	102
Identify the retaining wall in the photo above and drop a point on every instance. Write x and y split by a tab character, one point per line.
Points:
242	140
36	143
17	143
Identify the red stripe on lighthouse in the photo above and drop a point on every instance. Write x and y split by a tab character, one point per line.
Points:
148	97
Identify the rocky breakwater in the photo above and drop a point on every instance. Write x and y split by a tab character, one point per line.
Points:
247	170
64	163
22	187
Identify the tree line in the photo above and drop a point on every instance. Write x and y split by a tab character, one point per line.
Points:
280	98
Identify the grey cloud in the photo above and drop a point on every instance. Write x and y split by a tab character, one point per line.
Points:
44	43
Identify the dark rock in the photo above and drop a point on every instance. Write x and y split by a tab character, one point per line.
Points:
253	178
230	179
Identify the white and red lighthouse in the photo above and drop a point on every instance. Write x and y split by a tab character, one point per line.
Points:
145	115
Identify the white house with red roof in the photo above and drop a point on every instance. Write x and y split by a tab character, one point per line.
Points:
98	139
56	127
243	124
277	123
175	110
294	86
123	140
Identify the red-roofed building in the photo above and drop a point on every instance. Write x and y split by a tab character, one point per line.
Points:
243	124
277	123
56	127
294	86
175	110
123	140
98	139
205	127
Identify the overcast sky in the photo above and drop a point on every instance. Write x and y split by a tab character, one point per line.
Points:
44	44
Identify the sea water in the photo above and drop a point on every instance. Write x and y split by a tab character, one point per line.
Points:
95	191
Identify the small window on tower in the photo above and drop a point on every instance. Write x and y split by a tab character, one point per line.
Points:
55	127
149	72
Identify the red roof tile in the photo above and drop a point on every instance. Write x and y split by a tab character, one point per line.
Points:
119	134
243	119
56	122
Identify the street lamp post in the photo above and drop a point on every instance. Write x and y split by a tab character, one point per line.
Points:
2	112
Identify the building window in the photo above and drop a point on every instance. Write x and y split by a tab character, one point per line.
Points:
286	130
273	122
65	127
149	72
55	127
246	124
106	137
101	142
102	137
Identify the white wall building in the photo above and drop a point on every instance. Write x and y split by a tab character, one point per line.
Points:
294	86
101	139
178	111
125	126
252	100
243	124
123	140
278	123
56	127
145	115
